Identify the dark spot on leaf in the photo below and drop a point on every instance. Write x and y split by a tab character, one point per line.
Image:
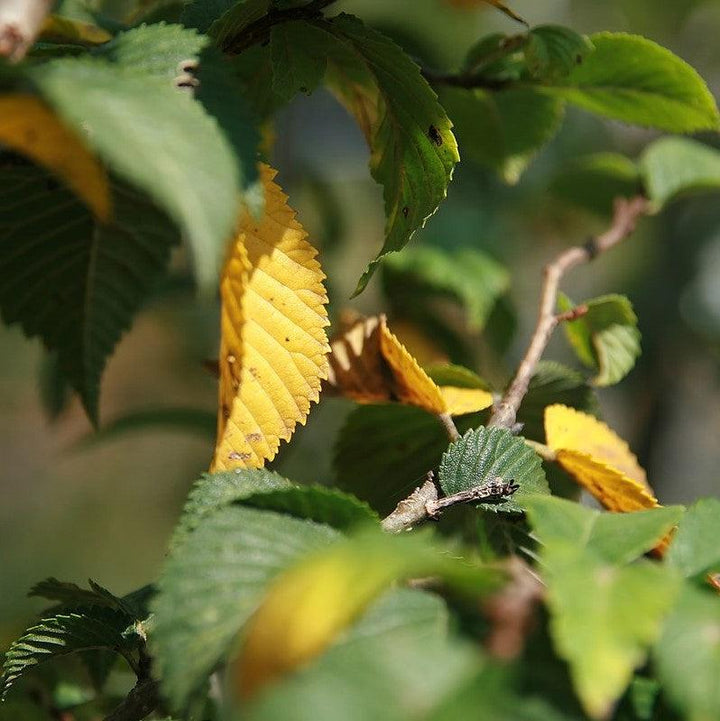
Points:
405	211
235	456
254	437
434	135
287	340
579	59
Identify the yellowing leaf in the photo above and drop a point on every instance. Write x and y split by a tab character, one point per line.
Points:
59	29
370	365
412	384
615	490
29	127
459	401
273	343
569	429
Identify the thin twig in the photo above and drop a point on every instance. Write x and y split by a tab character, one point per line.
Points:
423	503
462	80
626	214
259	31
449	426
20	24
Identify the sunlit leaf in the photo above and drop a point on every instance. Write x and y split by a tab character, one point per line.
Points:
604	618
613	537
273	343
572	430
484	454
606	337
28	126
459	401
307	607
633	79
672	167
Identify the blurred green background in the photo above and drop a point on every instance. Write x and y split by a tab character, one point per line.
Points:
74	509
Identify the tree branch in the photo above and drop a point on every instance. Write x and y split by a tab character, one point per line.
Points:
259	31
20	23
423	502
139	703
625	216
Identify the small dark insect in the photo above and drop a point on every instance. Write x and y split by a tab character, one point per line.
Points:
434	135
405	211
578	59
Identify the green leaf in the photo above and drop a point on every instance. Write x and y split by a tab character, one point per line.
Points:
54	389
201	14
688	655
413	151
159	153
299	53
614	537
215	490
72	281
71	596
552	51
212	583
594	181
315	503
694	548
384	451
604	618
191	420
226	29
484	454
606	337
468	276
454	375
503	130
553	383
633	79
395	677
94	627
675	166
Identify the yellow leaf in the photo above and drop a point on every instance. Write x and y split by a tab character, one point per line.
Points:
459	401
570	429
411	384
615	490
370	365
59	29
29	127
273	344
600	461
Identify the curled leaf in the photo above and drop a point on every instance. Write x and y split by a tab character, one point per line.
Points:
273	343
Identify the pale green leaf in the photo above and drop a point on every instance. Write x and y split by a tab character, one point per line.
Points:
606	337
695	547
505	129
675	166
484	454
688	655
454	375
72	281
603	619
633	79
613	537
211	584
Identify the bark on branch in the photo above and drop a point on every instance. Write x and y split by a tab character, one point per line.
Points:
20	23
